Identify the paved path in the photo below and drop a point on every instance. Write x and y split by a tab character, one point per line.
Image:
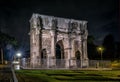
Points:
6	74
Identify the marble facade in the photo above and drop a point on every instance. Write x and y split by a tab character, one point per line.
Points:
49	33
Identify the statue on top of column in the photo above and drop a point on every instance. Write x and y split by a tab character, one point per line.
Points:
54	24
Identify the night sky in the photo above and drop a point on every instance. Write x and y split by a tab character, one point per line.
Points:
102	16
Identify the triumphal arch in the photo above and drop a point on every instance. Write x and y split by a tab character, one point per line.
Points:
58	42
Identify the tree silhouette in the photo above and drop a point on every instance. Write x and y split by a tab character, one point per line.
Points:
5	40
109	46
91	48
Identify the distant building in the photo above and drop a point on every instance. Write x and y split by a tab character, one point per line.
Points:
58	42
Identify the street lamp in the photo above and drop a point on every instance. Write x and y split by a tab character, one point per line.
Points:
101	49
18	54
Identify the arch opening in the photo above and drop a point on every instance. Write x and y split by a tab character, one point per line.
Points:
78	59
60	54
43	57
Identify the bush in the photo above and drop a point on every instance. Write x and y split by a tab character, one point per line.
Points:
115	64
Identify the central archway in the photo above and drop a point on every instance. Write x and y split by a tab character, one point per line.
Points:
60	62
78	60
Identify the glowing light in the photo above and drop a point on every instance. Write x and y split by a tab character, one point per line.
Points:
100	49
18	54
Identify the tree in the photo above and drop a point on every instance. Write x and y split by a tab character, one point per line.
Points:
91	48
109	46
90	39
5	40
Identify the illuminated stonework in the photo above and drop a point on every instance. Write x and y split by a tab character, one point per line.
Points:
54	39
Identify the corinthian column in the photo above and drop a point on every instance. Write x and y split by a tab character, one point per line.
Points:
52	56
67	50
34	40
85	57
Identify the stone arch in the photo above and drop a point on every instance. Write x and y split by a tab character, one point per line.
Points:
59	54
78	58
43	54
59	50
43	57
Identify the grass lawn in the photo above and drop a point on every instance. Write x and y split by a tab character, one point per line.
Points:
67	76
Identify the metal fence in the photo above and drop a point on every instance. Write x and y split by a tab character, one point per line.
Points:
61	63
44	63
99	63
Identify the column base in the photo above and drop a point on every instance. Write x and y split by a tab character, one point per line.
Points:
73	63
51	62
85	63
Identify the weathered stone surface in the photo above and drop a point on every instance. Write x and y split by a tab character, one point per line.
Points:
48	31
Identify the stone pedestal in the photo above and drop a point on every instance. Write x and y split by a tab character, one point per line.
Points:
73	62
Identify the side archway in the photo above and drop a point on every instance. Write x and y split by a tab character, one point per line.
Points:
43	57
78	58
59	54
